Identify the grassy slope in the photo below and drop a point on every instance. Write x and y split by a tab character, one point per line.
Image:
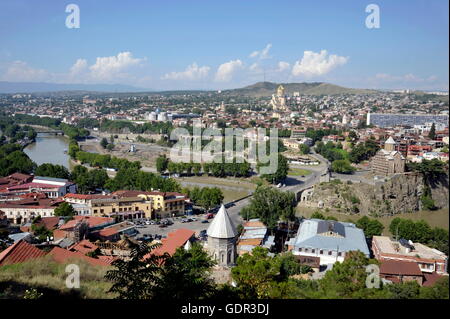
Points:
49	278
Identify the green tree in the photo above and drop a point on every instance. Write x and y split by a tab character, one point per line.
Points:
270	206
161	164
371	227
432	133
104	142
280	173
65	210
342	166
186	275
304	149
137	277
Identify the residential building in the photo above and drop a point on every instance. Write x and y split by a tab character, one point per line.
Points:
52	187
121	206
25	210
329	240
164	204
428	259
254	234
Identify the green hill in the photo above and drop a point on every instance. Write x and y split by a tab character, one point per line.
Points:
262	89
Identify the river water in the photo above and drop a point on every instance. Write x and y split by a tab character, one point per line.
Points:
49	148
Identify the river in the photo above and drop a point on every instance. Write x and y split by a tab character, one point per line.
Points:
49	148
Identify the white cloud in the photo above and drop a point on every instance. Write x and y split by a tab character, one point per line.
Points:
263	54
192	72
226	70
282	66
107	67
79	67
255	68
313	64
20	71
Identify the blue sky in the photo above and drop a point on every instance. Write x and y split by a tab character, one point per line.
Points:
194	44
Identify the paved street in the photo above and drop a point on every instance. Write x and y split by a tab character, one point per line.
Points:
196	226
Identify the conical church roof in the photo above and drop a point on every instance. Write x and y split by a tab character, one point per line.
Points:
390	140
222	226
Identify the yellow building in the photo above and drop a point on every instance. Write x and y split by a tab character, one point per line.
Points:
125	207
164	204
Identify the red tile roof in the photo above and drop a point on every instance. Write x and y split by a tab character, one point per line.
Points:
84	246
20	252
86	196
91	220
49	223
173	241
430	279
397	267
32	185
61	255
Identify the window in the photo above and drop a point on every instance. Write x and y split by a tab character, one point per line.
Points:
339	254
300	249
330	253
313	251
321	252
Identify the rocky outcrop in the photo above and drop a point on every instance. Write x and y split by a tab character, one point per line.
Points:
399	194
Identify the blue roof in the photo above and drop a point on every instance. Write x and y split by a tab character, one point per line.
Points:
312	233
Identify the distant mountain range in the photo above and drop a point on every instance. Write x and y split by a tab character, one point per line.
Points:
262	89
38	87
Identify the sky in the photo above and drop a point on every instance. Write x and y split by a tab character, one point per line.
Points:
194	44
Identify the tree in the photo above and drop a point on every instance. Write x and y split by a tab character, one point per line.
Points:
52	170
347	279
137	277
270	206
342	166
304	149
186	275
281	172
254	273
65	210
432	133
371	227
438	291
161	164
104	142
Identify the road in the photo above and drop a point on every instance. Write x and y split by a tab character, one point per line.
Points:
196	226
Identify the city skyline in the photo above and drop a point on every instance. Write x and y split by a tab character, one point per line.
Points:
206	45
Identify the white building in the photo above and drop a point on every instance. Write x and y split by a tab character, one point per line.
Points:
327	239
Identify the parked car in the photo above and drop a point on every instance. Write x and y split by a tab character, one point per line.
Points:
209	216
184	220
202	233
205	221
162	226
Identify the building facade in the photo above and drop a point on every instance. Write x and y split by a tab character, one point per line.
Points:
222	236
388	161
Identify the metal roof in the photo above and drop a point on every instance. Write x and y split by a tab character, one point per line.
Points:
222	226
308	236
